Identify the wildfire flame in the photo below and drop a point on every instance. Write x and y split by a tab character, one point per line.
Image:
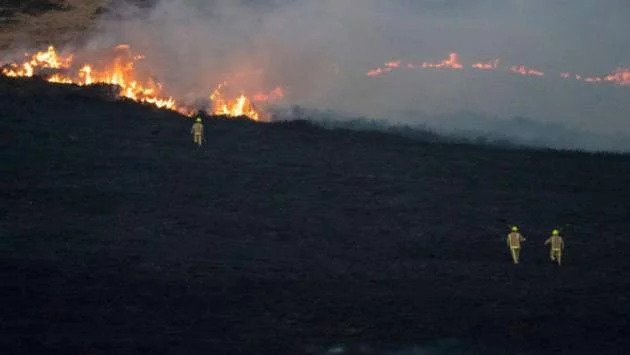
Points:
46	59
452	62
389	66
120	69
621	76
493	64
523	70
241	107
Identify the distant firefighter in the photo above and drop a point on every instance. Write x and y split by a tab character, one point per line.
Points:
557	245
514	240
197	131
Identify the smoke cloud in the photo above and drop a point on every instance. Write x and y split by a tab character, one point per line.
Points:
319	52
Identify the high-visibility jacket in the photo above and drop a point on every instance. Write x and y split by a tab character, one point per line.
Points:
197	128
514	239
556	242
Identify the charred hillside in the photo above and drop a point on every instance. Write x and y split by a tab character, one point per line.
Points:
120	236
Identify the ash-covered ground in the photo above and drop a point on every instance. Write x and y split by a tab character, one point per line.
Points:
119	236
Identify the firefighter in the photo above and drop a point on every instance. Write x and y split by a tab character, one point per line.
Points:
557	245
197	131
514	239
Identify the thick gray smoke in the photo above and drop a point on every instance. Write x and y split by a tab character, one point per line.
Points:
319	51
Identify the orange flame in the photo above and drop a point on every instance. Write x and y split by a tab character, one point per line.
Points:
48	59
242	106
493	64
452	62
393	64
120	70
523	70
389	66
621	76
378	71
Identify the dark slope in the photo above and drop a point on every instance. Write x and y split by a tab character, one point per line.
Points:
118	236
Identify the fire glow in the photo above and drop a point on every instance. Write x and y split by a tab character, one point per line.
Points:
621	76
389	66
119	67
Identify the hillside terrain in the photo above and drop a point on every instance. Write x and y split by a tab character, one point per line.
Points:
119	236
27	24
36	23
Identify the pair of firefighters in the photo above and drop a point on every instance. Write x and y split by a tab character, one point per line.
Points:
515	238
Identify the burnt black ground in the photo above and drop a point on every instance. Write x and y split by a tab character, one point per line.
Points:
118	236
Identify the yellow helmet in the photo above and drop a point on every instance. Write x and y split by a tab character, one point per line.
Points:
198	119
514	229
555	232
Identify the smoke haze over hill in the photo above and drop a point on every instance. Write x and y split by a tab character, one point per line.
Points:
319	51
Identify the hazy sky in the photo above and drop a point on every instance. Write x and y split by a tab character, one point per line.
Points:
320	50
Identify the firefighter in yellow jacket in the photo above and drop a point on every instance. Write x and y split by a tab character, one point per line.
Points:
557	245
514	240
197	131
